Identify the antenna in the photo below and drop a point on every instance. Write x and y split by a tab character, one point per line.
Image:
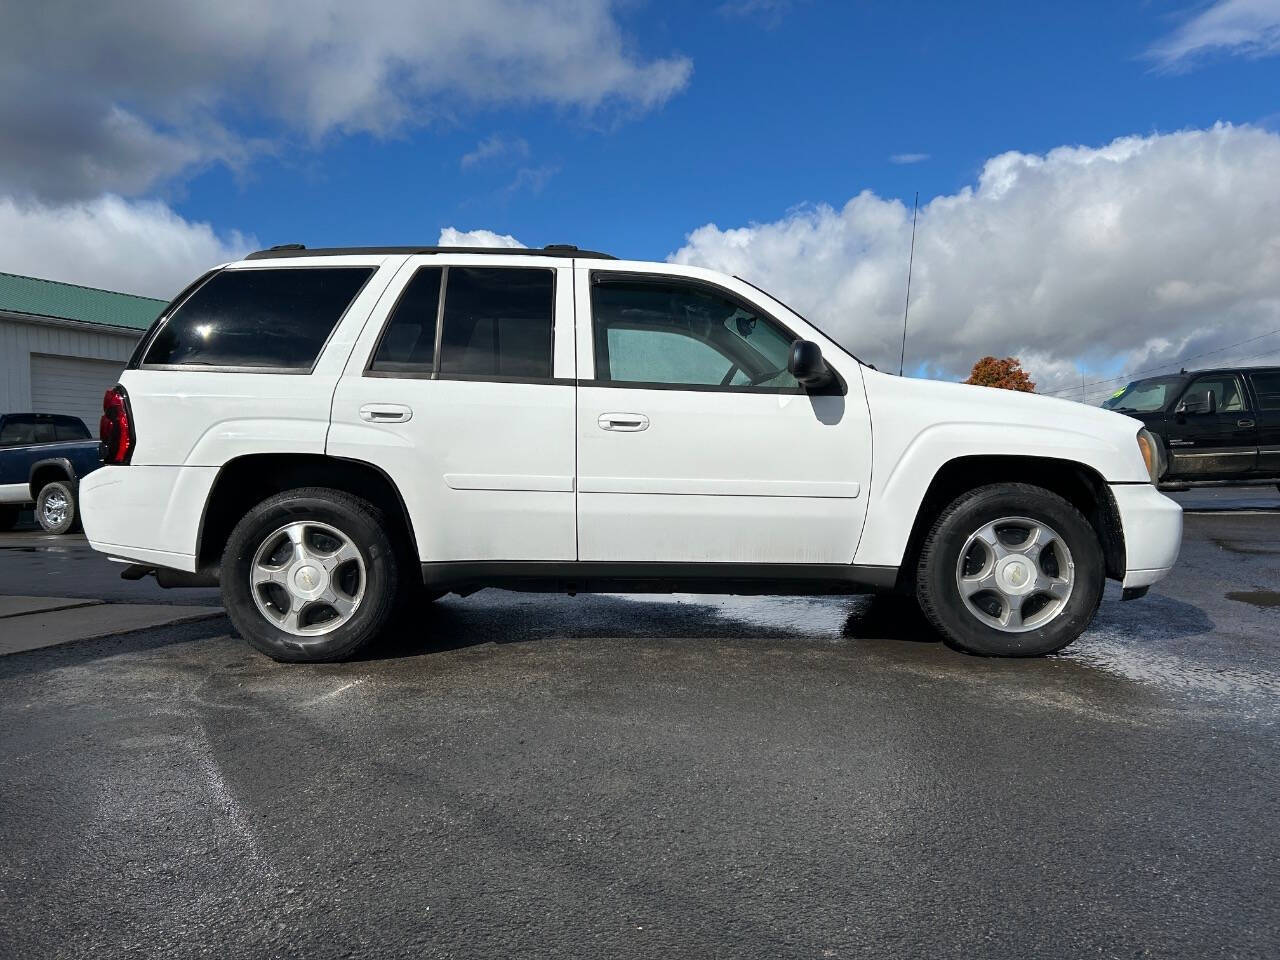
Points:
915	204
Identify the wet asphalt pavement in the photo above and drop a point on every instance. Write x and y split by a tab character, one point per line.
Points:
707	777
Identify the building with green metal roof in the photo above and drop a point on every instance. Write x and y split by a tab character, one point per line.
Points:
63	345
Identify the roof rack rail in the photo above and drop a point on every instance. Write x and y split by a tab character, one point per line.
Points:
550	250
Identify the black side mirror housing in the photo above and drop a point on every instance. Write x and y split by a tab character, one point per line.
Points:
1205	402
807	366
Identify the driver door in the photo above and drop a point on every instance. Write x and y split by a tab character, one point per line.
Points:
1221	444
694	443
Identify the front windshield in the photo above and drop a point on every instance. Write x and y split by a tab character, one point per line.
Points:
1144	396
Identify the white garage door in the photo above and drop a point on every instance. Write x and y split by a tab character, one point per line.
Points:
70	385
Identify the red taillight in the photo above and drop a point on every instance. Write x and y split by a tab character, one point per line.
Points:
115	429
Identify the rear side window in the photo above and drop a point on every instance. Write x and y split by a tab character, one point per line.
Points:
498	322
17	431
69	428
1267	387
272	318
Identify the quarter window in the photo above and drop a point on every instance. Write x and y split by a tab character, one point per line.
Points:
273	318
409	342
664	332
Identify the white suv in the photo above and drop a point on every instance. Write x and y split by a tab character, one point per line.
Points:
328	433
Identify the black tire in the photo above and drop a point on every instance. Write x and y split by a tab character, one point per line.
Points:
936	570
363	525
8	517
57	510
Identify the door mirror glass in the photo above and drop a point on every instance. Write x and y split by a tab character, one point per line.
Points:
1202	401
807	366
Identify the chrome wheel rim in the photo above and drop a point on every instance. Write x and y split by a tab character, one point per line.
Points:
307	578
55	508
1015	574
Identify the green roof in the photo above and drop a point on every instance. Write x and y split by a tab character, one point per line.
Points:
67	301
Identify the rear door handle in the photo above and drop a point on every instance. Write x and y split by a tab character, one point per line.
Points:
623	422
1244	424
386	413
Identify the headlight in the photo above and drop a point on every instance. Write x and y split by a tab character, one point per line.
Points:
1149	445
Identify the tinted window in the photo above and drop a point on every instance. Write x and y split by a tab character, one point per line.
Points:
18	430
409	341
1227	390
497	322
666	332
69	428
259	318
1267	387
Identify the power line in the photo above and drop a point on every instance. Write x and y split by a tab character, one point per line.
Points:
1167	363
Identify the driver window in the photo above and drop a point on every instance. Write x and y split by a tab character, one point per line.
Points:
1226	389
664	332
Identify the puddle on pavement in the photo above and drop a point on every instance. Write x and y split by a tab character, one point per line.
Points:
1256	598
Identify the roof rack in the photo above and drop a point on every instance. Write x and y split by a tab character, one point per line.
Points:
550	250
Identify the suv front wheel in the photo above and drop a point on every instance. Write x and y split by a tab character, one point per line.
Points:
310	575
1010	570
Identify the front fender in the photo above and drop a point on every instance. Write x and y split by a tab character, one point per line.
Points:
901	479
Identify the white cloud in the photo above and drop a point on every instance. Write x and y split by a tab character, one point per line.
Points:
495	148
118	97
451	237
1248	28
1141	251
908	158
133	247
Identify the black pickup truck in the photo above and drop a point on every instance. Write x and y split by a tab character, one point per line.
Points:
1215	426
42	458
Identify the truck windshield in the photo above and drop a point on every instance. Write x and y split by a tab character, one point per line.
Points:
1144	396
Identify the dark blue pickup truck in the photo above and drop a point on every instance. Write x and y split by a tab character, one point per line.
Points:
42	458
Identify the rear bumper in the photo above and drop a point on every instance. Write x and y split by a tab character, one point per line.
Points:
146	514
1152	525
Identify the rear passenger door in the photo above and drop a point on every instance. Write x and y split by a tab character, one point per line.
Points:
1266	391
1221	444
461	388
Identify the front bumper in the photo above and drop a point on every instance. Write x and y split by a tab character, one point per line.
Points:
1152	526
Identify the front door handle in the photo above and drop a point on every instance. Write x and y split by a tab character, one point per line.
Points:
623	422
1244	424
385	413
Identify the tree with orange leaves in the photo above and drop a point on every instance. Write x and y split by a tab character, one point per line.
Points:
1006	374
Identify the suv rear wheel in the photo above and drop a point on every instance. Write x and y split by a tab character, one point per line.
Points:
310	575
8	517
56	507
1010	570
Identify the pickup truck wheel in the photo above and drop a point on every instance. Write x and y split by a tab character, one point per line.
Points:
8	518
56	507
1010	570
310	575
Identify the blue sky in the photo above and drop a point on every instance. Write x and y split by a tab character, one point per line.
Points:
1099	182
798	104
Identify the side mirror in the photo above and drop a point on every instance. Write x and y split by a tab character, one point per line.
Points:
807	366
1204	402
